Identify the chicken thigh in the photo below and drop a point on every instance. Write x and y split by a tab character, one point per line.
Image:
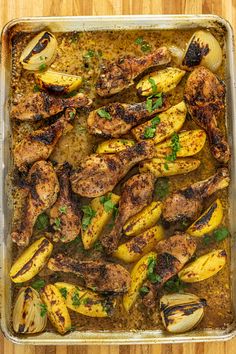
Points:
43	187
118	75
204	95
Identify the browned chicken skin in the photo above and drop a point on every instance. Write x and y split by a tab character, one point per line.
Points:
43	187
99	173
122	118
118	75
101	275
136	194
64	215
40	144
204	95
39	106
172	254
186	204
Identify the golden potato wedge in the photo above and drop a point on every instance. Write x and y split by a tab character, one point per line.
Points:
138	246
94	229
203	267
57	82
86	302
191	142
171	121
160	167
142	221
56	308
208	221
160	81
138	276
31	261
114	145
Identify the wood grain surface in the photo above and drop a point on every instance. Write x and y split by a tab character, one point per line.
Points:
17	8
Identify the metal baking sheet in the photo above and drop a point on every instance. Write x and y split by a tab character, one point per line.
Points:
64	24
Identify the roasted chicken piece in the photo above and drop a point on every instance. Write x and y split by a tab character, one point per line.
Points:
42	187
41	105
117	75
204	96
99	173
103	276
186	204
136	194
64	215
121	117
172	254
40	144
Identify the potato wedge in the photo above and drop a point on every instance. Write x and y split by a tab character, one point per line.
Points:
191	142
86	302
138	246
56	308
94	229
203	267
142	221
160	167
138	276
31	261
208	221
171	121
57	82
114	145
163	80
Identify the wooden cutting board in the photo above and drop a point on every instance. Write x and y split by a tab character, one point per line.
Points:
17	8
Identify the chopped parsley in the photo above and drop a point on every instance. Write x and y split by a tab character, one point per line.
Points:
107	203
153	84
57	224
38	284
175	146
143	290
144	46
89	213
71	114
42	222
151	105
36	88
162	187
76	299
220	234
138	40
150	131
63	209
43	310
151	274
174	285
166	167
90	53
42	67
104	114
97	246
63	292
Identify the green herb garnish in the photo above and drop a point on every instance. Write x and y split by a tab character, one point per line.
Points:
175	285
63	209
71	115
151	271
143	290
63	292
138	40
97	246
42	222
166	167
145	47
42	67
36	88
57	224
89	213
150	131
153	84
107	203
76	299
38	284
43	310
104	114
162	187
90	54
175	146
151	105
220	234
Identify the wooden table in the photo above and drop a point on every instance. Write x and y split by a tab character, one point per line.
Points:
17	8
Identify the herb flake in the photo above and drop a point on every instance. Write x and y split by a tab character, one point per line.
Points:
221	234
38	284
175	147
42	222
104	114
151	271
76	299
63	292
162	187
43	310
153	84
89	213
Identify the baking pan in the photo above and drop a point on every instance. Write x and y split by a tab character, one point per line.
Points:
64	24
